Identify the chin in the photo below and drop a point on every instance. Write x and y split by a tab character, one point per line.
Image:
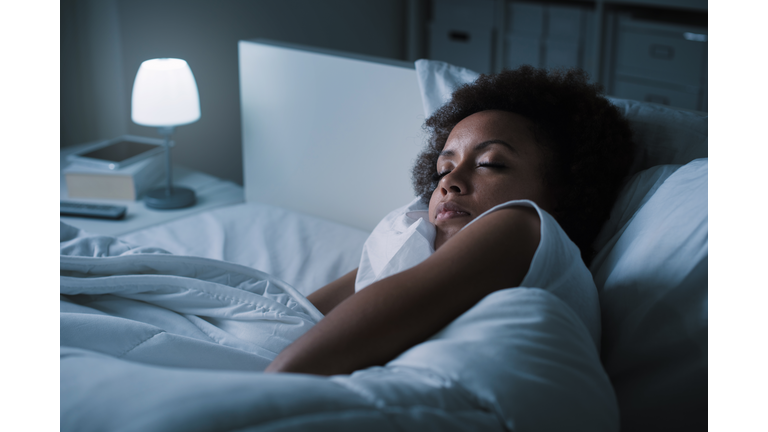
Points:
445	231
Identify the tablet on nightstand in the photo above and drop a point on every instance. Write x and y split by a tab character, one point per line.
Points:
118	152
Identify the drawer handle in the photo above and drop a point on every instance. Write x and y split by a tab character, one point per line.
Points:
696	37
663	52
663	100
458	36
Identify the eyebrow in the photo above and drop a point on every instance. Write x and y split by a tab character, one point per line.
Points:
480	146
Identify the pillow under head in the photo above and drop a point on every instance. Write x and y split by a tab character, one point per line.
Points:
664	135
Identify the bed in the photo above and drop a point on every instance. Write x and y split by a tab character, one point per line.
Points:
168	328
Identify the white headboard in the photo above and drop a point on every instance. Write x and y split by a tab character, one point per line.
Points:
328	133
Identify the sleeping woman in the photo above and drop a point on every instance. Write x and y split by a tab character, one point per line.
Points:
520	172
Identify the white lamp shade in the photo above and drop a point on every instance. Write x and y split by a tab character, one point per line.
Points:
164	94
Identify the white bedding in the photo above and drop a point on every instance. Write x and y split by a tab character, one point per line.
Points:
153	341
173	310
305	251
181	347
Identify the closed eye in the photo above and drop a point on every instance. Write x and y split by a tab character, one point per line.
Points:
491	165
438	176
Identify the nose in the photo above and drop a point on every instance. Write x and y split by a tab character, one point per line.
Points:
454	182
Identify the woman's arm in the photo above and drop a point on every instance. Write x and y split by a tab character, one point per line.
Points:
389	316
329	296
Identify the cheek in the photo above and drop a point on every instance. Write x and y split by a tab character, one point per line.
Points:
433	202
506	190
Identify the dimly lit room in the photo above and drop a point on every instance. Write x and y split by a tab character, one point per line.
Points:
384	215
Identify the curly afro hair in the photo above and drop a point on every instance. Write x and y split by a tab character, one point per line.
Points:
586	140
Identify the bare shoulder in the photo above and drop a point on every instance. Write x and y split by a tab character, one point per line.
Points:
520	225
513	220
497	248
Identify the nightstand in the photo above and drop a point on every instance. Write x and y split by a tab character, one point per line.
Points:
211	192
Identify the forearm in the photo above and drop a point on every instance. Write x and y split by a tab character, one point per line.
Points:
369	328
331	295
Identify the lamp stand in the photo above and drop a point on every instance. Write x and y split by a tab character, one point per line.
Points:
169	197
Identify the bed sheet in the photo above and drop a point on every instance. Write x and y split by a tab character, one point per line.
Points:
305	251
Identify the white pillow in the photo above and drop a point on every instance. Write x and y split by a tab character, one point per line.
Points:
438	80
404	238
664	135
651	275
634	195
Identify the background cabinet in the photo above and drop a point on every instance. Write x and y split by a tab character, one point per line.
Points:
659	62
548	35
644	49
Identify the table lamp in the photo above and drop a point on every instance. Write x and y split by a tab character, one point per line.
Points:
165	96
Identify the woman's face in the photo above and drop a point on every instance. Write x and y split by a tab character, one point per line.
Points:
490	158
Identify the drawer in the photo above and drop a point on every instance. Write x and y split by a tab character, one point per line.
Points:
461	45
660	95
522	50
667	57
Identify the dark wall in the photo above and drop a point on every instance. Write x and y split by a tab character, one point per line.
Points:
103	42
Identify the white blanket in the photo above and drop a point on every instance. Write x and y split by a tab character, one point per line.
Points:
152	341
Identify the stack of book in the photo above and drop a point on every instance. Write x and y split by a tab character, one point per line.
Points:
127	182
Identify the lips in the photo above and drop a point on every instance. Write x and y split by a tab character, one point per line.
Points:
449	210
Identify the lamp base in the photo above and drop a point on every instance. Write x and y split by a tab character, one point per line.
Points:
179	197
